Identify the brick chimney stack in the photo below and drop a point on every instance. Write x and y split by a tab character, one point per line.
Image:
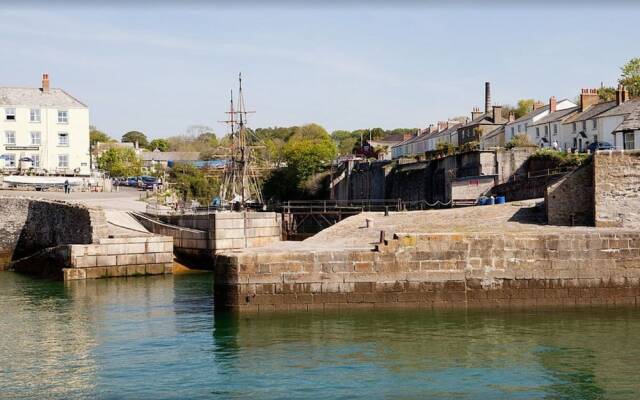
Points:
45	83
497	115
553	104
487	97
621	94
537	104
588	97
475	113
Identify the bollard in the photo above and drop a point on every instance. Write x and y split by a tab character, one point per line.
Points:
369	223
386	211
381	237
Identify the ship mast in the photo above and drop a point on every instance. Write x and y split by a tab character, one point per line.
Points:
239	184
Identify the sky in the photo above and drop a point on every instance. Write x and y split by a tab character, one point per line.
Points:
162	69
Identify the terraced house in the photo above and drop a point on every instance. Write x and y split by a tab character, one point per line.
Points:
44	130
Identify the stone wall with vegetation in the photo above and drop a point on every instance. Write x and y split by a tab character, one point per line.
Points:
576	267
617	188
570	201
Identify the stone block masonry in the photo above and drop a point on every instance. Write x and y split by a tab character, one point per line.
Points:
569	267
109	257
617	188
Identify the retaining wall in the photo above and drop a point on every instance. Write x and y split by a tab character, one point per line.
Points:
440	270
616	183
107	258
570	200
13	214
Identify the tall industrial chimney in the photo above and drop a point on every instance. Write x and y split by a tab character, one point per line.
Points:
487	97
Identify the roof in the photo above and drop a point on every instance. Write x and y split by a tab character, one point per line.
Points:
531	114
478	121
623	109
591	112
35	97
631	122
556	116
170	155
494	132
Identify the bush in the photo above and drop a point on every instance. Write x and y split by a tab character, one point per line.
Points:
560	158
520	140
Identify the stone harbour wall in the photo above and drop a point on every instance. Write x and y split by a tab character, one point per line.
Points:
573	267
617	188
13	214
570	201
108	257
53	223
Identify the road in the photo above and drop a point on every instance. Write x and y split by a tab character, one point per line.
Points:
127	199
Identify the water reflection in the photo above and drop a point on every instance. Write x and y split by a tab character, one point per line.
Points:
157	338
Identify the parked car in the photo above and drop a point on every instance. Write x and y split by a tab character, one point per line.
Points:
599	146
133	181
148	182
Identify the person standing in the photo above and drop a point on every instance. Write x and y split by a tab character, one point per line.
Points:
66	186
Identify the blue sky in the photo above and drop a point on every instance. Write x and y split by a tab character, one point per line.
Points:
160	71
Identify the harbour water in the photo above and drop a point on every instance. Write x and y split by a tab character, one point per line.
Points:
158	338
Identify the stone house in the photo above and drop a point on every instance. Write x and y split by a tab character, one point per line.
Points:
549	128
619	125
481	122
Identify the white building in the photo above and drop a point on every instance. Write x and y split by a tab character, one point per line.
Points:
45	127
582	128
521	125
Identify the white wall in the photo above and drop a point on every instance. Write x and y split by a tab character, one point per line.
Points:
77	129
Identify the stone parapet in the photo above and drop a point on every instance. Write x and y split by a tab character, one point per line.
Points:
439	270
616	183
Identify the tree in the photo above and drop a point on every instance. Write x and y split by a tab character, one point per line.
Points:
631	76
192	183
606	93
525	106
120	162
160	144
135	136
96	136
308	150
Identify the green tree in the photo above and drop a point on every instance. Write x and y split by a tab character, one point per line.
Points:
631	76
525	106
606	93
193	184
160	144
120	162
308	150
135	136
96	136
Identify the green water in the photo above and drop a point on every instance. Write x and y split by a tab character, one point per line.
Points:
158	338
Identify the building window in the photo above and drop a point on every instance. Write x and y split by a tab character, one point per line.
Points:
537	132
584	126
546	131
63	139
573	126
35	138
629	140
63	117
555	129
36	160
63	161
10	114
595	124
512	130
9	160
526	125
10	137
519	127
34	115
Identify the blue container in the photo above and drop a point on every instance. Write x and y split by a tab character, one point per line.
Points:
482	201
491	201
501	200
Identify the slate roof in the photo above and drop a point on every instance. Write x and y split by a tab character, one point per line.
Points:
531	114
35	97
631	122
591	112
478	120
556	116
623	109
494	132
